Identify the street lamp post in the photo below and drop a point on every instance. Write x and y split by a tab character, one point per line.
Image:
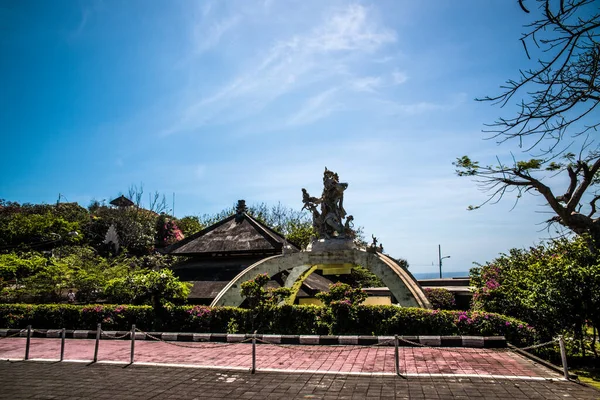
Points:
441	258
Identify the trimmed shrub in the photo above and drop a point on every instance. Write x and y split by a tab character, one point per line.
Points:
440	298
288	319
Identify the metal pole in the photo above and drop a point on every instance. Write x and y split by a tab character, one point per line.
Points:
98	333
396	357
62	343
440	258
563	356
28	342
253	353
132	343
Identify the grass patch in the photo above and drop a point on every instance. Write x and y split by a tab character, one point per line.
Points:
589	375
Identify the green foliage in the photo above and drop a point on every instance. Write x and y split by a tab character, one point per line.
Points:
342	294
361	277
555	287
466	167
340	306
440	298
34	278
190	225
46	316
259	298
40	225
534	163
156	288
299	233
136	228
366	320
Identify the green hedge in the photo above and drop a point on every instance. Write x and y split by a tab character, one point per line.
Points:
340	320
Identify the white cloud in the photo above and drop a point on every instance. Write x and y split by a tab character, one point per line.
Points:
350	30
399	77
321	57
366	84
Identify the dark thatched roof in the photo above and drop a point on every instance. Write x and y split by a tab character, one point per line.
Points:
236	235
122	201
206	289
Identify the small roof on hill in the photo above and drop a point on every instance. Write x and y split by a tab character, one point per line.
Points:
235	235
122	201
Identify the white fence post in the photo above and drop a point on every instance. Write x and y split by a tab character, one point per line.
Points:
563	356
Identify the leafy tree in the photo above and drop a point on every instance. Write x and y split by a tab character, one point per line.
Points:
557	94
156	288
14	272
190	225
39	226
136	228
555	287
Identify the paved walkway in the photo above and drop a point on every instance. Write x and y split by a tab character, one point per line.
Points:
413	361
45	380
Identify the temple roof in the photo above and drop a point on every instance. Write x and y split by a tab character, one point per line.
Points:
236	235
122	201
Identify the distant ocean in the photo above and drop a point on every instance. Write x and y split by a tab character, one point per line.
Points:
435	275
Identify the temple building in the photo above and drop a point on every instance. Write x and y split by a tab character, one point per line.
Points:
211	258
216	254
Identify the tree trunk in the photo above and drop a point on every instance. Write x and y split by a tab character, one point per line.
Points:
584	226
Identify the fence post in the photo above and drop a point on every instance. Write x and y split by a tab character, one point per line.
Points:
253	353
98	333
132	343
396	358
563	356
62	343
28	342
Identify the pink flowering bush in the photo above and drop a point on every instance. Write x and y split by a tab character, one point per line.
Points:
553	287
288	319
167	231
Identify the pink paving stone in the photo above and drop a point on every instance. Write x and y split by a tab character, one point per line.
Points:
322	358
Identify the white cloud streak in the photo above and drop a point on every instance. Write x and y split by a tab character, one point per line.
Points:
321	57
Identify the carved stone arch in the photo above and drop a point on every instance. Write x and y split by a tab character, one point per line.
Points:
399	281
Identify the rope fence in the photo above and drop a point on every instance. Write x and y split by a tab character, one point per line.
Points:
253	340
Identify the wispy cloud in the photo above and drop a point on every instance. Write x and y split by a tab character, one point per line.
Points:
207	37
399	77
392	108
367	84
315	108
322	57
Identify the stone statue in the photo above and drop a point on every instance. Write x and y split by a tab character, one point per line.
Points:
328	222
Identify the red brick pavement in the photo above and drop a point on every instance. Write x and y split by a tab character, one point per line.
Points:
349	359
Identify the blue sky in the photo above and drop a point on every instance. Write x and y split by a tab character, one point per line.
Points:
222	100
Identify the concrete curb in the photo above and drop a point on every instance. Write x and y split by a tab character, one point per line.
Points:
487	342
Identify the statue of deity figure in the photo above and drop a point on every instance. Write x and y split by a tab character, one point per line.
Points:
328	223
